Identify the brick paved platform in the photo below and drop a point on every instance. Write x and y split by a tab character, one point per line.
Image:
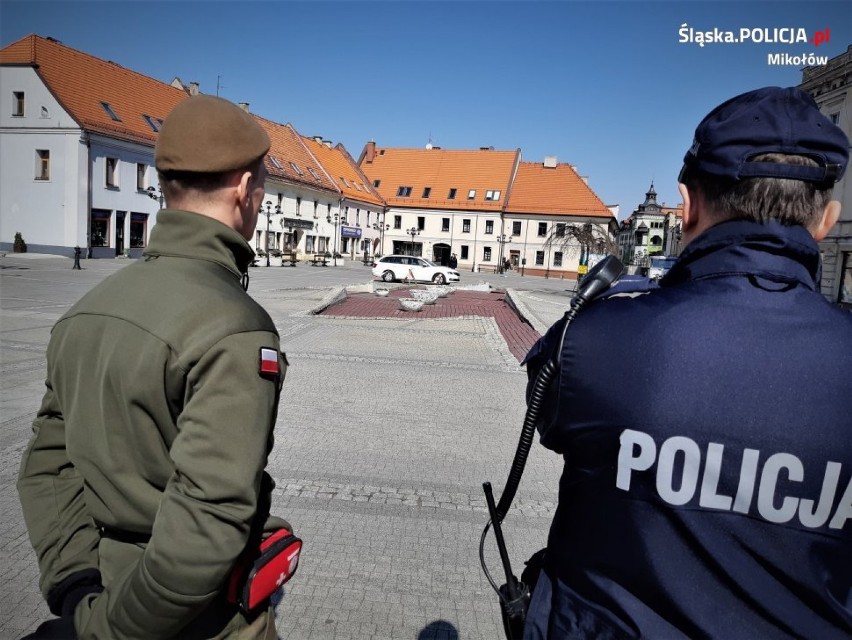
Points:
519	335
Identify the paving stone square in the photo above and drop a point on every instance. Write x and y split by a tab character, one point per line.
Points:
387	427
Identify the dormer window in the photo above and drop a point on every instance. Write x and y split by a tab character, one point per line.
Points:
296	168
451	195
492	195
276	163
315	174
403	192
110	112
426	192
155	126
471	194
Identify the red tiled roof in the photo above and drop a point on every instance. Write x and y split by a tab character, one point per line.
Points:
553	190
440	170
80	82
288	150
344	171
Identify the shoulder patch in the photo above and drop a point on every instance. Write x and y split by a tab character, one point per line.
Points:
268	364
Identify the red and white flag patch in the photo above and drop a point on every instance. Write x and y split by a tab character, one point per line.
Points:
269	366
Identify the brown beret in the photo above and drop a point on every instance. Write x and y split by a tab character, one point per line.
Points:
206	134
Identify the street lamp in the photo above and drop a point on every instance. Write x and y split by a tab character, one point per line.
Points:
268	213
336	219
502	239
413	231
381	227
155	194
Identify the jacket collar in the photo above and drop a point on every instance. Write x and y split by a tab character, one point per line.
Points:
184	234
771	251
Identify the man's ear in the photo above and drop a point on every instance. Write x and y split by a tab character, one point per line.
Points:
243	188
830	215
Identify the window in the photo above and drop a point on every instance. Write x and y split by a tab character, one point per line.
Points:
309	244
421	222
357	216
539	258
486	254
18	103
155	126
445	224
542	229
112	173
316	209
492	195
557	259
403	192
141	176
100	228
357	185
471	194
42	164
464	252
344	181
298	206
560	229
397	222
276	163
296	168
314	174
516	227
466	225
426	192
110	112
451	195
489	226
376	183
138	225
834	117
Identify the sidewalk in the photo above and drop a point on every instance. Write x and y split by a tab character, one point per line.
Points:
387	429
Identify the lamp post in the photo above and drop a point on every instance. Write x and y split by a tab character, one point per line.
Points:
381	227
268	213
336	219
155	194
502	239
413	231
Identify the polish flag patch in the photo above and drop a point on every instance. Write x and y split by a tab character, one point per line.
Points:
269	367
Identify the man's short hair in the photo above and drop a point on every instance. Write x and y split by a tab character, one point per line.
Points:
766	154
789	201
177	185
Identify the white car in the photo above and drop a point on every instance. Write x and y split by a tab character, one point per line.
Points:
413	269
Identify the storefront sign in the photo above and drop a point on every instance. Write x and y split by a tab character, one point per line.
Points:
350	232
297	223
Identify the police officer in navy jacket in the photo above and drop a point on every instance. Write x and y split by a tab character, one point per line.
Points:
706	424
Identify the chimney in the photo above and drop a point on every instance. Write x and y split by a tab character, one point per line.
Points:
193	88
317	139
244	106
371	151
327	143
486	148
550	162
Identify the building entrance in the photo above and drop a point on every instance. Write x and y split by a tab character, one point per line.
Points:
441	254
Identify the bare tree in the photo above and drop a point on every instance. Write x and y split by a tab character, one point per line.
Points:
581	239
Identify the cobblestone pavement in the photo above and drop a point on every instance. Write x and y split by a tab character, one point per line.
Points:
387	428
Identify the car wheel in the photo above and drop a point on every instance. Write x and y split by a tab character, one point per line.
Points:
387	276
439	278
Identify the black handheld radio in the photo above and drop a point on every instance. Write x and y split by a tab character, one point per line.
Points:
515	595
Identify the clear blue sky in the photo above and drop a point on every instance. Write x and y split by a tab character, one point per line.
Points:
603	85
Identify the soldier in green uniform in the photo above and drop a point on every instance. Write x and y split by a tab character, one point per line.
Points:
144	480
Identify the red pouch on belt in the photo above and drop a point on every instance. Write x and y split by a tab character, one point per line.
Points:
258	575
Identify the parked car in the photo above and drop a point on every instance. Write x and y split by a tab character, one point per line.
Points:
390	268
660	266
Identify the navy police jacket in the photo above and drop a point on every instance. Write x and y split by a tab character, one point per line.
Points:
706	427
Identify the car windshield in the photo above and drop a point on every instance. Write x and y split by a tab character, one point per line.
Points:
429	263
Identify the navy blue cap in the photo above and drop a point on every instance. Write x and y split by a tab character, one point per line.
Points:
768	120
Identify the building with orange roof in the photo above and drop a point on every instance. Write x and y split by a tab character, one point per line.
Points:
361	208
441	202
77	149
488	207
77	155
548	201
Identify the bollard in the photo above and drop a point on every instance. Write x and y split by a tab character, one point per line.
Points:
76	258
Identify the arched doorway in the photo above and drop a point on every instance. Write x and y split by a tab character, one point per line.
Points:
441	254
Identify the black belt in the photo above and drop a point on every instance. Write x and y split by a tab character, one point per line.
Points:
130	537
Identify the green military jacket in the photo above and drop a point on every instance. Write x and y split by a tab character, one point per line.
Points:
156	421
